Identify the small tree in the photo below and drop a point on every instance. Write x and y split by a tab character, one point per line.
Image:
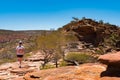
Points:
50	45
76	19
47	56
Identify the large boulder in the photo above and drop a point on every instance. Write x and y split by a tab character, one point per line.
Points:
111	59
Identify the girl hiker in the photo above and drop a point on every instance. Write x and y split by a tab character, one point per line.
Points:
20	52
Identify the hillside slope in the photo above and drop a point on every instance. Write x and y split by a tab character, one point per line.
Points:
9	40
93	33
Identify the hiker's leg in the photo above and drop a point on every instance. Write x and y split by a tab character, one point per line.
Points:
19	60
21	57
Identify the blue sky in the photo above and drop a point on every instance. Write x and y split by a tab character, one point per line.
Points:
52	14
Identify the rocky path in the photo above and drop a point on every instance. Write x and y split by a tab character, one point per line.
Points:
11	71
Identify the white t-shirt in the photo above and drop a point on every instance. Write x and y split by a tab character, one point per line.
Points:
20	50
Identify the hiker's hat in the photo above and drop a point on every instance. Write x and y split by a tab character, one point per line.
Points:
20	42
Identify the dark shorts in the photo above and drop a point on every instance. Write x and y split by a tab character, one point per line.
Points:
20	56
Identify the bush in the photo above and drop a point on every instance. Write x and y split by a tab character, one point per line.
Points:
27	55
80	57
101	52
63	63
47	66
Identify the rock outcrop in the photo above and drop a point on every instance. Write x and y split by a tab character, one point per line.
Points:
11	71
94	32
89	71
112	61
84	72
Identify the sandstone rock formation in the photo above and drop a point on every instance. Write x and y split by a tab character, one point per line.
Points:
11	71
83	72
112	61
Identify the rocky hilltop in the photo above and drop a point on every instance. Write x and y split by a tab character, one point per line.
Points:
95	33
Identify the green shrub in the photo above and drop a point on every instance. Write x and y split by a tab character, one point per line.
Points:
47	66
80	57
100	52
63	63
27	55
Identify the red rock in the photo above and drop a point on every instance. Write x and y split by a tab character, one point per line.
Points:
50	78
21	71
19	78
110	59
3	77
83	72
110	78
